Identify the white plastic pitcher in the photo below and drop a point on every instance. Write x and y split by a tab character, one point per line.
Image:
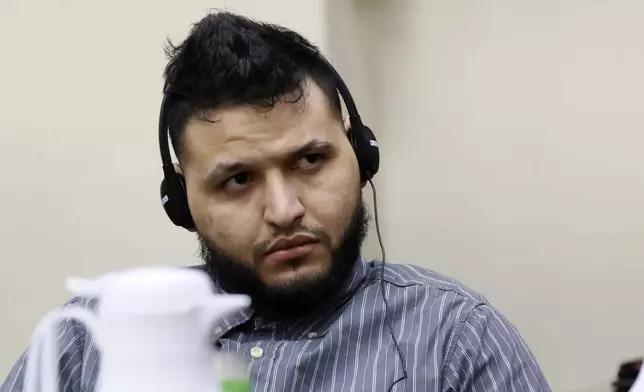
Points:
152	328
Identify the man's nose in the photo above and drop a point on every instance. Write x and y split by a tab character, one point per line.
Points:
283	207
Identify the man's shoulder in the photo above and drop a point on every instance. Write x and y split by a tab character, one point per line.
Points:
407	275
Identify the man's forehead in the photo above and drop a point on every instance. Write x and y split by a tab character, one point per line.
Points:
234	127
242	127
241	134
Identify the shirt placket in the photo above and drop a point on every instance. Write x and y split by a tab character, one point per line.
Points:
265	354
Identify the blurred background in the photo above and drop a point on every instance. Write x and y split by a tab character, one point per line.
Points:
510	132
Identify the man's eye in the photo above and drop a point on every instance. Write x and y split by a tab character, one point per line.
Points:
309	160
237	181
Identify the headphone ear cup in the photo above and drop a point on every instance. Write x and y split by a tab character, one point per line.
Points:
175	201
366	149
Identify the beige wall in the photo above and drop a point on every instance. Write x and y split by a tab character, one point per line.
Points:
510	132
512	137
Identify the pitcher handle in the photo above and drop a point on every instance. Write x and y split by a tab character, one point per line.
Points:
42	360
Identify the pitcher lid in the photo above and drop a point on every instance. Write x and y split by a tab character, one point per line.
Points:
148	290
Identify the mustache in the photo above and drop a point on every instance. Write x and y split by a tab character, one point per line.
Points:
320	235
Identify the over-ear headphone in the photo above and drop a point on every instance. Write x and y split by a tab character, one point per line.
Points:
173	187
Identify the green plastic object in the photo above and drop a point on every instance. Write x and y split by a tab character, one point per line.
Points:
235	386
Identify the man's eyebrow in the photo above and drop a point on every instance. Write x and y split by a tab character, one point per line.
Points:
315	144
230	165
223	167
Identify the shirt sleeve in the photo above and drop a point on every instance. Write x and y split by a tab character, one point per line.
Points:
489	355
72	347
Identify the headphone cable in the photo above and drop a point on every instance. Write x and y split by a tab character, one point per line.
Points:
382	290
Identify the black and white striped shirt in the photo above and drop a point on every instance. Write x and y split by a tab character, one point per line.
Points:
451	338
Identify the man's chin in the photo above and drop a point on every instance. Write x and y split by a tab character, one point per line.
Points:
290	272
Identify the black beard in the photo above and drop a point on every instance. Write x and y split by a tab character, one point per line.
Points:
297	298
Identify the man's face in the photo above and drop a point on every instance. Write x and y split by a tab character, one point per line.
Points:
275	196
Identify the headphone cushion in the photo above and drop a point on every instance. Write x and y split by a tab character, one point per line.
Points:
366	149
174	199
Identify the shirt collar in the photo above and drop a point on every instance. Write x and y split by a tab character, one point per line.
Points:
322	318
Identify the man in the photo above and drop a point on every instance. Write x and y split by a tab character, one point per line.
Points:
274	190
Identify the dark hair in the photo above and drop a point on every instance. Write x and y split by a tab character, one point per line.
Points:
228	59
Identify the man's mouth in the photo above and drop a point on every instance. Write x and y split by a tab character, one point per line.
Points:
291	248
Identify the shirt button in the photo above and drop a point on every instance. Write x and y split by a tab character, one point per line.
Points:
256	352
